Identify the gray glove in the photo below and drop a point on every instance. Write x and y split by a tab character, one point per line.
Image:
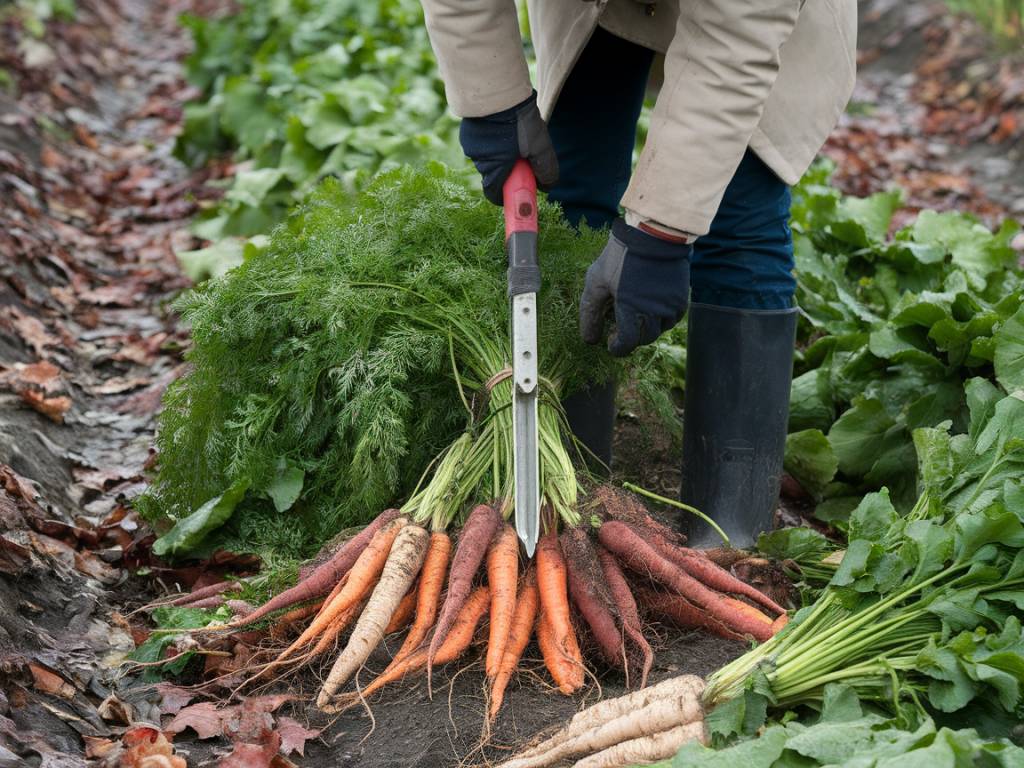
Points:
643	280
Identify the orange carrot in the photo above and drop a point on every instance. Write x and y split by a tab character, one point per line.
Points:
403	614
748	610
566	671
362	579
429	593
502	574
518	638
283	626
320	581
779	623
552	581
455	644
336	627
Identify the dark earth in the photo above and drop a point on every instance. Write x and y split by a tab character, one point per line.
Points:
92	208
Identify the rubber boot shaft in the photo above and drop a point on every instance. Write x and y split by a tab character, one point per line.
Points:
739	366
591	416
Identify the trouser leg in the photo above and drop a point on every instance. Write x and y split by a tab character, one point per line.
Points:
741	330
593	128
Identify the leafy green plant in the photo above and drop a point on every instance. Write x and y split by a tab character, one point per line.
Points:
892	328
303	89
847	734
924	610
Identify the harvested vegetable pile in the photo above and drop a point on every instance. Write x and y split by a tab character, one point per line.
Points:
328	374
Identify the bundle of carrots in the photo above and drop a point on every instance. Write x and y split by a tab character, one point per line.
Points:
412	268
397	575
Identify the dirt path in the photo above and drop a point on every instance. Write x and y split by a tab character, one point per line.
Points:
92	206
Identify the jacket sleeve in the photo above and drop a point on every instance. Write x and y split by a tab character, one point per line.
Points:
479	51
719	70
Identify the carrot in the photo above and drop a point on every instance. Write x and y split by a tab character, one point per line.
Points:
626	604
360	581
563	658
683	613
683	687
518	638
565	667
704	570
476	535
780	623
749	610
658	715
336	627
640	556
590	594
402	566
502	575
429	593
213	601
456	644
403	614
320	581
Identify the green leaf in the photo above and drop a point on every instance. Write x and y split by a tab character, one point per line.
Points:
872	215
252	187
213	261
286	486
1007	423
761	752
810	460
742	716
810	404
1009	352
794	544
873	517
189	532
973	248
858	436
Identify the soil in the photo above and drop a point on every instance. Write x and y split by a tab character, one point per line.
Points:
93	207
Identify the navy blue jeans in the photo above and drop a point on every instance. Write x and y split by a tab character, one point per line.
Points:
746	260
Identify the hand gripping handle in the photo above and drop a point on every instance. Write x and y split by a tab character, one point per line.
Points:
520	198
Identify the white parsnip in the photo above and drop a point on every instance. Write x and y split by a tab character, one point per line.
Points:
661	714
646	749
403	564
610	709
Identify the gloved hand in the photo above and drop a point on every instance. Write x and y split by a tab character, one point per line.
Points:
644	279
495	142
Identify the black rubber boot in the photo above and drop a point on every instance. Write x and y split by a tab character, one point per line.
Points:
739	365
591	416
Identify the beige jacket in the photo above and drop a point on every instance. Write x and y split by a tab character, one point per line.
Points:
773	75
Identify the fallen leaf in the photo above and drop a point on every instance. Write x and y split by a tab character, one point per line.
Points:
53	408
294	735
204	718
247	755
146	747
50	682
97	747
173	698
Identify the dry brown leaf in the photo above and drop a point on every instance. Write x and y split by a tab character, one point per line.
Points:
53	408
294	735
50	682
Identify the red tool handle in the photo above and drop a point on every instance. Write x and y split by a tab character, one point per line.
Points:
520	197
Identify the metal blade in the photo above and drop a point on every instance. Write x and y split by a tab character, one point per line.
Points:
524	419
